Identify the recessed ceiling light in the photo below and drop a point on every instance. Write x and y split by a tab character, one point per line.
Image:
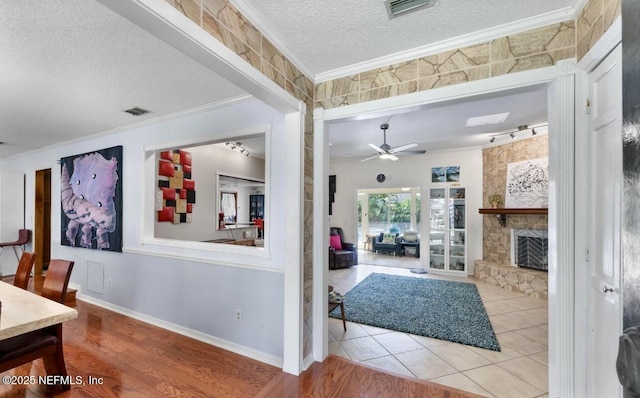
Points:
486	120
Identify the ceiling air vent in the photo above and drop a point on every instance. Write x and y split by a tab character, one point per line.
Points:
137	111
399	7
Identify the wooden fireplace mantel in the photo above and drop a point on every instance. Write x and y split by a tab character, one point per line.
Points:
503	212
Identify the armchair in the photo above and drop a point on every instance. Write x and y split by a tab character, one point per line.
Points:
341	253
410	239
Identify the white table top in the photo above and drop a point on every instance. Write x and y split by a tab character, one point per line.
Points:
24	311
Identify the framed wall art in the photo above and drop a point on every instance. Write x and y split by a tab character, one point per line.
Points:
438	174
91	200
528	184
176	189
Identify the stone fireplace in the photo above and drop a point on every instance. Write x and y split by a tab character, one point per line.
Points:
530	249
497	265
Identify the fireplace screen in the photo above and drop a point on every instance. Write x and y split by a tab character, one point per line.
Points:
530	248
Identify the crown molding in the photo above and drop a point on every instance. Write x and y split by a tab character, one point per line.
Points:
482	36
253	17
561	15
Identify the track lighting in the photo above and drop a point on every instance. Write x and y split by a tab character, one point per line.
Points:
239	147
513	134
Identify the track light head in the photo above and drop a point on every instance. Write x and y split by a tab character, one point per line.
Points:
512	135
493	138
533	131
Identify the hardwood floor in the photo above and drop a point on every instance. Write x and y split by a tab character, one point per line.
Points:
338	377
135	359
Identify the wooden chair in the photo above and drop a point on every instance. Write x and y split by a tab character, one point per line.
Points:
23	272
43	343
56	280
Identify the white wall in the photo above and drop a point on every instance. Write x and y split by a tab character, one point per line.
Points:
194	289
11	218
207	160
410	171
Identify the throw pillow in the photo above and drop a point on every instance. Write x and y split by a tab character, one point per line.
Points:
334	241
389	238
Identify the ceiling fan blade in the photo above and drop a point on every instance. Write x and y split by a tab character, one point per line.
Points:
392	157
377	148
416	152
369	158
403	147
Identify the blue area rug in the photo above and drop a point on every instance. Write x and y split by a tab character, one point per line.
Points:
445	310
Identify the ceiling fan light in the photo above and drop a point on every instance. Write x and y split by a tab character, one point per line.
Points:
385	156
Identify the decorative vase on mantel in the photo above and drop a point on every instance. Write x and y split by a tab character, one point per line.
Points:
495	200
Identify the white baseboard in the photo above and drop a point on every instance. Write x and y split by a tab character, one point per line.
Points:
307	362
194	334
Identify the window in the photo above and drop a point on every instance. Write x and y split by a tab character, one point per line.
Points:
391	210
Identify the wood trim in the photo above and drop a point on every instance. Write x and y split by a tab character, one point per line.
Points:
42	220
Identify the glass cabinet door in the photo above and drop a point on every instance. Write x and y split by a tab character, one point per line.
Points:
437	228
457	225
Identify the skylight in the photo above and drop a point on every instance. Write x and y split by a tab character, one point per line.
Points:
487	120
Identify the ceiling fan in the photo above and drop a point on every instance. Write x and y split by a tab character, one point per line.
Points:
386	152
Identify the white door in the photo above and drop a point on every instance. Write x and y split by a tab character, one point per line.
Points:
605	191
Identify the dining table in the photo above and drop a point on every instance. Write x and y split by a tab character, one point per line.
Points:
24	314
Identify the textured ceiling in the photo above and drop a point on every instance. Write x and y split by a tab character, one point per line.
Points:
70	68
332	34
442	125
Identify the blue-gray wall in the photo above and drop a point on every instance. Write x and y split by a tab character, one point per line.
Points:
197	290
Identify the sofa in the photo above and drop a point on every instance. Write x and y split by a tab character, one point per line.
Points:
341	253
386	243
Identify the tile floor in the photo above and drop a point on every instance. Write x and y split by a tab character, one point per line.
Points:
520	370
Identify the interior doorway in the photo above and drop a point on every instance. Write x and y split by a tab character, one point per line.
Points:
560	90
42	222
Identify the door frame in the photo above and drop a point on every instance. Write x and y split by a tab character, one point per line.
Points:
607	43
561	82
42	222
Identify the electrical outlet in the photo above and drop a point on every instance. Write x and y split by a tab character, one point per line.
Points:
238	315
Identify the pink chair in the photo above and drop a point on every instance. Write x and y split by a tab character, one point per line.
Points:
24	235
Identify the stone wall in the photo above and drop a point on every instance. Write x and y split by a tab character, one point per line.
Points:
527	50
595	18
530	282
496	238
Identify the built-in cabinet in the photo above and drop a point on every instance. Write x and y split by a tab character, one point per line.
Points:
447	229
256	207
